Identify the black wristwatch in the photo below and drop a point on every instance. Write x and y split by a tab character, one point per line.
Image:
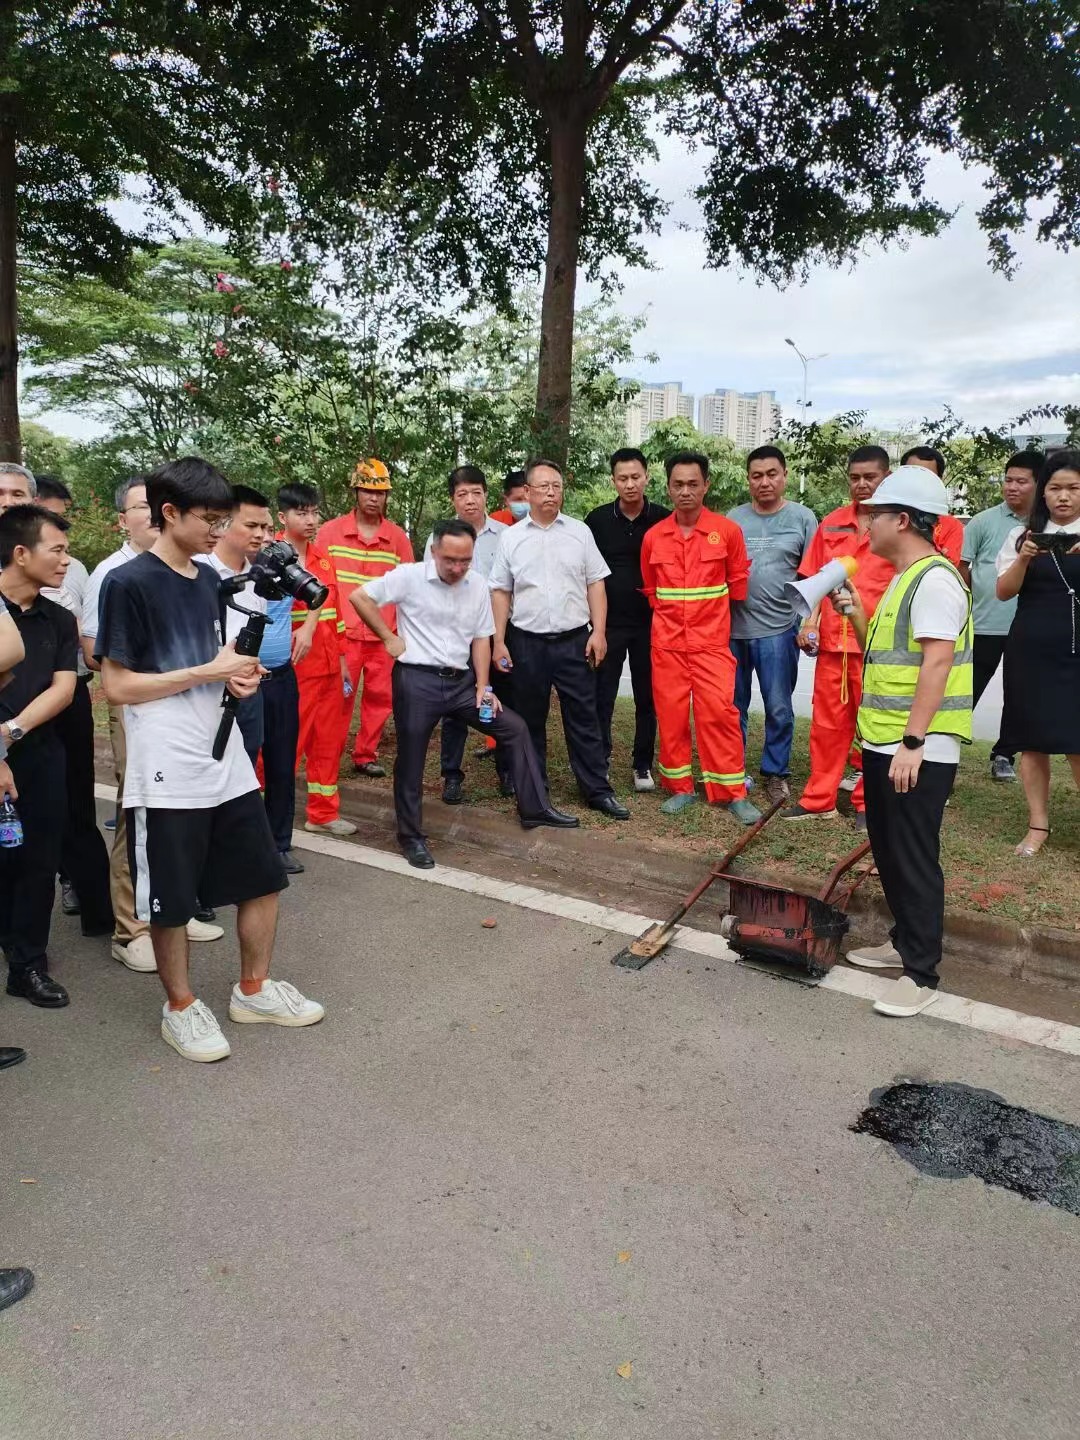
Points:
913	742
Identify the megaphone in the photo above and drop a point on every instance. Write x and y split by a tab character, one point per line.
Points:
806	595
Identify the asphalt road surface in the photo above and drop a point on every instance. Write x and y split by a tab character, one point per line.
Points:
501	1171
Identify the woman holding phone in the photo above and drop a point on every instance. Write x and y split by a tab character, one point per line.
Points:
1041	566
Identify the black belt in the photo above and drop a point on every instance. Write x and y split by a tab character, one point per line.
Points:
551	636
444	672
278	670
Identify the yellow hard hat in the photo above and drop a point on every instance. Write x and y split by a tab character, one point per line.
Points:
370	474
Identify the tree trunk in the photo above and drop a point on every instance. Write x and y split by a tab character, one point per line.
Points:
10	437
551	425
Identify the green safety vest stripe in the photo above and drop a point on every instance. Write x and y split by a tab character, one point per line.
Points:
700	592
346	552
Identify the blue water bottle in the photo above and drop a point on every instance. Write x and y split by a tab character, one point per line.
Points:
11	831
487	710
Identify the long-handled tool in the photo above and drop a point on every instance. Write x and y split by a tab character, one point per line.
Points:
646	947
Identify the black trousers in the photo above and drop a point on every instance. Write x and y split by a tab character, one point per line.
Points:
635	642
281	734
423	698
541	662
988	652
905	833
84	856
455	733
28	873
249	719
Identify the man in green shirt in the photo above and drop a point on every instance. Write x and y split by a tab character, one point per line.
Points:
984	536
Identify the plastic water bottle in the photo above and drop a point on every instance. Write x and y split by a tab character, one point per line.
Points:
11	831
487	709
812	642
347	689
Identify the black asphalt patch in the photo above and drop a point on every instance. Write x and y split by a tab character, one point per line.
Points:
951	1131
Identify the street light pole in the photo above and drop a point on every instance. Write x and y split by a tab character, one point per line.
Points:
807	361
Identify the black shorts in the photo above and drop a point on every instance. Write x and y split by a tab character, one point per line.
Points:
222	855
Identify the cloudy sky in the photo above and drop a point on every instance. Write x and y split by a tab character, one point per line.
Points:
904	331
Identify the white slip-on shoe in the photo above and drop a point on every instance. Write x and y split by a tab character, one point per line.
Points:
277	1003
193	1033
337	827
137	954
643	781
905	998
199	931
876	957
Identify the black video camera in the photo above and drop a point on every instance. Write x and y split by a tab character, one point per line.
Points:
275	574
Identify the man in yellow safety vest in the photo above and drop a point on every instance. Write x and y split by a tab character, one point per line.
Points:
914	716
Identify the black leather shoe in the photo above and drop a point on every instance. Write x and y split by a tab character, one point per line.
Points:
452	793
10	1055
39	989
289	863
69	901
417	853
557	819
507	790
205	914
14	1284
371	768
610	807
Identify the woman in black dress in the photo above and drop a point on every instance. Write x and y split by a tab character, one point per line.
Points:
1042	653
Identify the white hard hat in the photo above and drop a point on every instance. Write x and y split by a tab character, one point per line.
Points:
914	486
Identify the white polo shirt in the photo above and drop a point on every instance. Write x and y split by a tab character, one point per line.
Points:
234	620
548	569
437	621
89	622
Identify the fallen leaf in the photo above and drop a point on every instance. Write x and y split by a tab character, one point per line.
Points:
489	923
154	1069
623	1256
625	1371
76	1327
27	1182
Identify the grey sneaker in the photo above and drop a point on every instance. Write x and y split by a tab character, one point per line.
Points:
875	957
776	789
744	810
1001	768
905	998
849	782
337	827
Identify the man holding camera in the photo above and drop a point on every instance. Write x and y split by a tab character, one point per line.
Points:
197	826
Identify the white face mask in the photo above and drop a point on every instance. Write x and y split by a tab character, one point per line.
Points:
519	509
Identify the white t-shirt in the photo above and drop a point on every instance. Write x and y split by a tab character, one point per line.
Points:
152	619
1007	555
438	622
939	611
71	596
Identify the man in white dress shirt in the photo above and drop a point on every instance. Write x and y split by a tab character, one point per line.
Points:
468	495
443	655
549	567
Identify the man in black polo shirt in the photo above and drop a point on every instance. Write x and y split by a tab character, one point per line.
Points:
33	556
619	529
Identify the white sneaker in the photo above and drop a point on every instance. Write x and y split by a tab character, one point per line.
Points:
332	827
876	957
849	782
277	1003
643	781
905	998
137	954
193	1033
199	931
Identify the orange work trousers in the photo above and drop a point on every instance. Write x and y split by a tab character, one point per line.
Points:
321	742
704	680
832	731
367	660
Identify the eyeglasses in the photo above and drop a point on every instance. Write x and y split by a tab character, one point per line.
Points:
215	527
130	509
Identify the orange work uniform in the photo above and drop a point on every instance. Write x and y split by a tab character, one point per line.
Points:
690	582
838	671
357	560
319	678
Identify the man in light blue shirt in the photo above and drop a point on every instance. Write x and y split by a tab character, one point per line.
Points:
281	727
984	536
777	532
